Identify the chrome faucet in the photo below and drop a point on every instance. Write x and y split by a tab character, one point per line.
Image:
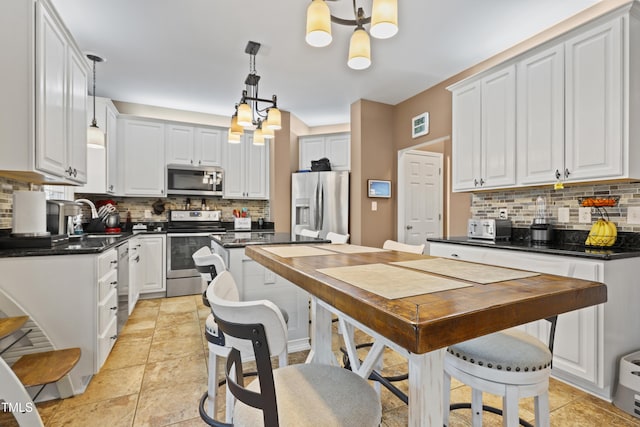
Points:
94	212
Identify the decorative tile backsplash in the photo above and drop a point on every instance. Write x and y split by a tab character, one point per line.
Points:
521	204
141	208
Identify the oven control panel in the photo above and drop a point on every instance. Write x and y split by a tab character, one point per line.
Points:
194	216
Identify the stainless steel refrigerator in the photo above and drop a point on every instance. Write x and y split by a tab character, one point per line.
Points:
320	201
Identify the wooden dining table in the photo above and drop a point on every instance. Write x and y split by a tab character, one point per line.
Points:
445	303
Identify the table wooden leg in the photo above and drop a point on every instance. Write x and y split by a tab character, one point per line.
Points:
320	335
425	389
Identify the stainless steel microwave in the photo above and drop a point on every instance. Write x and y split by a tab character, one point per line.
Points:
195	180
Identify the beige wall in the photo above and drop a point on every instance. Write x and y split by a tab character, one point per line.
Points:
372	157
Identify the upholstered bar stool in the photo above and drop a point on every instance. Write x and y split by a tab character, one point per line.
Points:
511	364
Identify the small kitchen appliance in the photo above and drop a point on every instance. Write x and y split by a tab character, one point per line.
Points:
541	229
60	214
489	229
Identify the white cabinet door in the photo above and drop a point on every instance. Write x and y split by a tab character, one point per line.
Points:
466	144
111	143
338	151
257	170
246	169
234	172
142	157
153	262
498	100
540	94
135	271
180	144
77	117
51	63
310	148
208	146
594	99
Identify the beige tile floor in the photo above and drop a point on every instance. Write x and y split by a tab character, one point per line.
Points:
157	373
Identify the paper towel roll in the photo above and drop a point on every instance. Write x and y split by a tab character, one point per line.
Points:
29	213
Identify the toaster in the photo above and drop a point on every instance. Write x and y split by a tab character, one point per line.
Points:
489	229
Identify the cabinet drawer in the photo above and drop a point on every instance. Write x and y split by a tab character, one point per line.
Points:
106	284
107	311
107	261
106	341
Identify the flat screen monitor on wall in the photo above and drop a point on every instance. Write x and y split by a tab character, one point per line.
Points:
379	188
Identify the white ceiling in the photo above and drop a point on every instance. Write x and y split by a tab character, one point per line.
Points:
189	54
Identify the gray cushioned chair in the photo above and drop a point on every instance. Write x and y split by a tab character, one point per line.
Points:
295	395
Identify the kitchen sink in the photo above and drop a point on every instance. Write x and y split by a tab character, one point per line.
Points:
102	235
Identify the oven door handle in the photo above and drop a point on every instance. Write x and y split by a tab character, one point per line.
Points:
203	234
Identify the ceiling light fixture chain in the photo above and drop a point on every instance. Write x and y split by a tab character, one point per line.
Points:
248	113
383	20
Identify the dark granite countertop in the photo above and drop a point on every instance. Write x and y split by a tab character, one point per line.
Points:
574	249
85	245
241	239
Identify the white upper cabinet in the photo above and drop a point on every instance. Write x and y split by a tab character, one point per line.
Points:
541	117
102	161
44	87
246	169
335	147
576	99
141	154
594	100
484	132
193	145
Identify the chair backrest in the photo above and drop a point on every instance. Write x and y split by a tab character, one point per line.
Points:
337	238
222	295
13	393
207	263
403	247
309	233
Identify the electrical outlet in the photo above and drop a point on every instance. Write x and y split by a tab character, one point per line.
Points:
563	215
147	213
584	215
374	206
633	215
503	214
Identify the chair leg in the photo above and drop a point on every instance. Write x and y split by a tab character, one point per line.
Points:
476	408
446	398
510	407
541	403
212	407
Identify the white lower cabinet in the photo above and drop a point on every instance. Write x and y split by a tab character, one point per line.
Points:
135	272
590	341
256	282
72	298
153	260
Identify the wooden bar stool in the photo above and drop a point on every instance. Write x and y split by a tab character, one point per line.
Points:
10	325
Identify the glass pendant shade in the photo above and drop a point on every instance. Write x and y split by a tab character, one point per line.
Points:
384	19
318	24
359	50
267	132
233	138
95	137
274	120
236	129
258	137
245	118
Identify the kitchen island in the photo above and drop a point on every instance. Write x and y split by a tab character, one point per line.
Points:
256	282
421	323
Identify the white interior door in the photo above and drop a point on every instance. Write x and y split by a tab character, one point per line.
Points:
421	194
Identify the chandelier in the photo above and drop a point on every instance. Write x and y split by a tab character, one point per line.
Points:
383	20
248	114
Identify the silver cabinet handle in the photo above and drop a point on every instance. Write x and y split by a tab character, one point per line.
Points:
557	174
113	337
566	173
113	308
481	182
455	256
409	227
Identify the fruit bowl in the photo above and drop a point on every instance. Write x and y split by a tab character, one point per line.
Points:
599	202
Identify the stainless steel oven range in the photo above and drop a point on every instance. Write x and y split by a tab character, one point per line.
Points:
188	231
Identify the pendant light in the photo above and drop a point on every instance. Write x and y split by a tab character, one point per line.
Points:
258	137
233	138
383	21
95	136
359	50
